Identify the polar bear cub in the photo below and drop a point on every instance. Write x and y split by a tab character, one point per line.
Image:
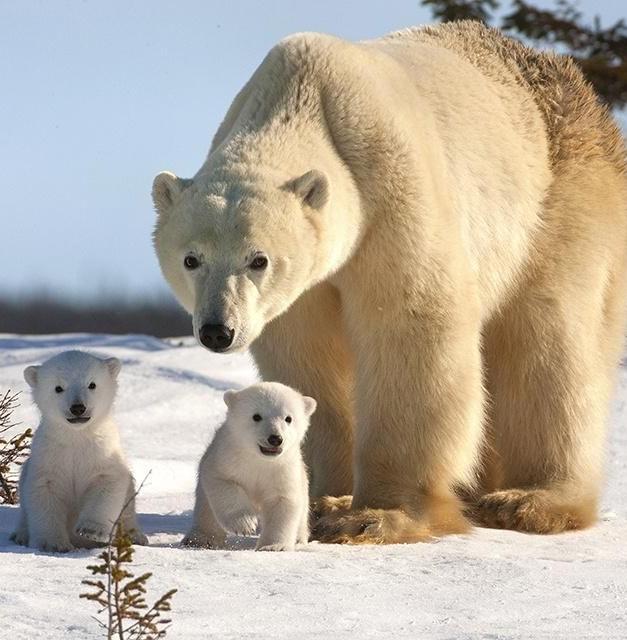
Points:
253	470
76	480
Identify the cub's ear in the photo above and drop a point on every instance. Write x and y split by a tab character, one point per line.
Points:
30	375
312	188
229	398
166	188
114	366
310	405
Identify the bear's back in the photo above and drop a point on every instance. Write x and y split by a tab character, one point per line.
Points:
577	124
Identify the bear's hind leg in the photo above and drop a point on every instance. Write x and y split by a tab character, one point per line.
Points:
550	360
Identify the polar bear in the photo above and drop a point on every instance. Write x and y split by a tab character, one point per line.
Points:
76	481
254	468
426	232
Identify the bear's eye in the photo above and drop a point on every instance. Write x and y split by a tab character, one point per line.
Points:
191	262
92	386
257	418
259	263
288	419
58	389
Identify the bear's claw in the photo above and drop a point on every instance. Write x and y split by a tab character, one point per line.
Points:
370	526
532	511
326	505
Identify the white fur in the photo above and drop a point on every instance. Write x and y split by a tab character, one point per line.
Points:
238	485
76	480
441	213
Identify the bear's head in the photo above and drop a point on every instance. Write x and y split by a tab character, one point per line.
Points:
74	389
268	418
239	246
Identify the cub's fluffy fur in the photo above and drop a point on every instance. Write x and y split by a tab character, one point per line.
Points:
76	480
253	469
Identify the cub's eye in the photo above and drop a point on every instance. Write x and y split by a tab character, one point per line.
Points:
259	263
58	389
257	418
288	419
191	262
92	386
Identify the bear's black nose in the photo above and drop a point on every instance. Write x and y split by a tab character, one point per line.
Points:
77	409
216	337
274	440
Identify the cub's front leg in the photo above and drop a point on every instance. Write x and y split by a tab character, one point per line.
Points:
205	530
303	529
101	505
281	522
48	514
230	505
20	535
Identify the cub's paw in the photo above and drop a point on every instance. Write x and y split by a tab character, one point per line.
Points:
20	537
92	530
55	546
278	546
199	540
243	524
138	537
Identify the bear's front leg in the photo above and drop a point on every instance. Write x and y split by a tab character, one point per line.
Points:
419	424
306	348
281	521
101	505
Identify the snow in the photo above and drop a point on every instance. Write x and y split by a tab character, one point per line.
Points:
489	584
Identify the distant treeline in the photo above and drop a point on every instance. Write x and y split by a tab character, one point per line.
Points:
158	316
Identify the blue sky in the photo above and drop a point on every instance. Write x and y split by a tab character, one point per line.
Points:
97	97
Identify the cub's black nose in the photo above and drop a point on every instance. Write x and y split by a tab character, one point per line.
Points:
274	440
216	337
77	409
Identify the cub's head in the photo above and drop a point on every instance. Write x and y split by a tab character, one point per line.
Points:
238	248
269	418
74	388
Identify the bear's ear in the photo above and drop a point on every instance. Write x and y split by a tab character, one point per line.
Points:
310	405
312	188
114	366
229	398
166	188
30	375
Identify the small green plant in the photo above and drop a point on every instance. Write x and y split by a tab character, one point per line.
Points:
13	449
121	594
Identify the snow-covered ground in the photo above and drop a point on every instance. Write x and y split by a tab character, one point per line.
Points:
490	584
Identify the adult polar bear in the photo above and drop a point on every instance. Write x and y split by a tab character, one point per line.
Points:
426	233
